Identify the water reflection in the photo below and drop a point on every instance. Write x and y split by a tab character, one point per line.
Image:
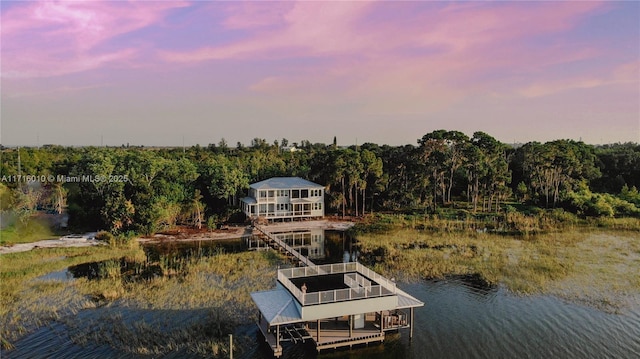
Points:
123	268
309	243
190	249
319	245
61	276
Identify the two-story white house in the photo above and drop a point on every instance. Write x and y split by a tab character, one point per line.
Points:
284	198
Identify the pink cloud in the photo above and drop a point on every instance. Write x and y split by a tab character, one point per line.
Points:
431	60
248	15
443	45
341	28
43	39
624	74
307	28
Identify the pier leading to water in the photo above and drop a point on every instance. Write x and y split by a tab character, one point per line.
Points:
279	244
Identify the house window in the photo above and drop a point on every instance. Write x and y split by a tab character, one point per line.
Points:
263	194
295	193
316	193
270	194
283	193
304	193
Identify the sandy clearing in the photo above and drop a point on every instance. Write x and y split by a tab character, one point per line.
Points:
49	243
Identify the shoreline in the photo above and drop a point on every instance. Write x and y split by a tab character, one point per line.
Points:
244	231
219	234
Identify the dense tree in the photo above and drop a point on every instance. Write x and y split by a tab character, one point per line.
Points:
443	153
619	165
144	190
557	166
371	175
487	170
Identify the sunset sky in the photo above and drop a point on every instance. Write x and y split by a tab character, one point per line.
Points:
164	72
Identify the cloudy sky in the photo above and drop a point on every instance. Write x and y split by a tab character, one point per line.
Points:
164	72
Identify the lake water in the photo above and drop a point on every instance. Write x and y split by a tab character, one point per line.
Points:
463	317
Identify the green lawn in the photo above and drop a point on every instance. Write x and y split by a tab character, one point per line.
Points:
32	231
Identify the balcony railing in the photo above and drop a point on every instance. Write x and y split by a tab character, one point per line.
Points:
341	295
383	288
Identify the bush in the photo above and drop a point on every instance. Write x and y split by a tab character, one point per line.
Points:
630	195
587	204
104	236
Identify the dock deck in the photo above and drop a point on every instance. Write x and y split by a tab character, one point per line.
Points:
337	334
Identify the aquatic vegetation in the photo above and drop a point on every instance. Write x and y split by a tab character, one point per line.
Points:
605	263
26	303
202	297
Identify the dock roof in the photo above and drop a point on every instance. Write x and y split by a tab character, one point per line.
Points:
405	300
285	183
277	306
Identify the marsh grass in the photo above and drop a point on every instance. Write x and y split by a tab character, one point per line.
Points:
544	263
626	224
507	222
26	303
218	288
215	287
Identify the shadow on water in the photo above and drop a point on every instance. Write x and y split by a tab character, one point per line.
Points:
189	249
124	268
474	283
161	259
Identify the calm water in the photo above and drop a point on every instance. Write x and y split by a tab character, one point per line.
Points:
462	318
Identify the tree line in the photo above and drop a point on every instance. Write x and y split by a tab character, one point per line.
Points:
144	190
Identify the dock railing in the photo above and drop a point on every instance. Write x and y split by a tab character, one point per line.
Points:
304	260
383	288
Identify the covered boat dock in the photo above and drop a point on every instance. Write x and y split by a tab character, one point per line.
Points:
333	305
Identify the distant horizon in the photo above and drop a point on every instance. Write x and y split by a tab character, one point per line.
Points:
290	143
152	73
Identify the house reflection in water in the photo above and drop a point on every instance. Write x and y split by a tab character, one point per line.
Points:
308	242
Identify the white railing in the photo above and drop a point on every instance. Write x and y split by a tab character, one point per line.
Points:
341	295
290	286
355	281
338	268
367	290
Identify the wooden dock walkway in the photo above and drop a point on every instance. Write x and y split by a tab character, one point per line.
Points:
333	338
282	246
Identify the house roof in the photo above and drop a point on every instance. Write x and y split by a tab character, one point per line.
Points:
277	306
249	200
285	183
